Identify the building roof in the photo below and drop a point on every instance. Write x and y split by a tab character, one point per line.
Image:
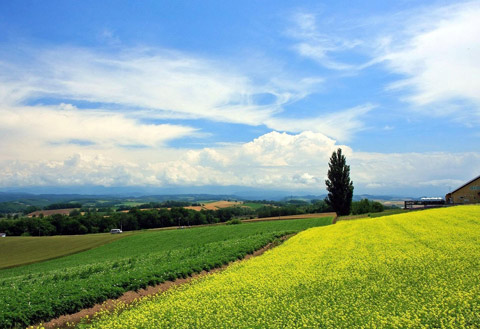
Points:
470	181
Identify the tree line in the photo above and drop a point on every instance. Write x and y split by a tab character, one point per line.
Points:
135	219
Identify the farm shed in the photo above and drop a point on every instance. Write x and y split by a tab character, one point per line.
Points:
468	193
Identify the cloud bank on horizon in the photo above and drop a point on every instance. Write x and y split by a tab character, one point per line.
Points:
211	100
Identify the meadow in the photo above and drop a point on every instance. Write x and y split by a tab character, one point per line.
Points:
45	290
413	270
17	251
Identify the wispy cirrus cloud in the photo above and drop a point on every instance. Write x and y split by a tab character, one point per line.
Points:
431	50
160	84
320	47
437	54
338	123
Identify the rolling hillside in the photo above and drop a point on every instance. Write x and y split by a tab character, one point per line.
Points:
414	270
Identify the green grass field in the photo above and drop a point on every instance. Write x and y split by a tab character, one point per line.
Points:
414	270
45	290
16	251
253	205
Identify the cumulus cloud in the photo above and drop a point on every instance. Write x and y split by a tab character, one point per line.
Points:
272	161
438	54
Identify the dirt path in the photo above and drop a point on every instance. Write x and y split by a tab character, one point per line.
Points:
130	297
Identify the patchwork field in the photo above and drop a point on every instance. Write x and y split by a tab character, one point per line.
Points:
216	205
45	290
17	251
413	270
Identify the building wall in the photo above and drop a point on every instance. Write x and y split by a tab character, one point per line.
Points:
468	194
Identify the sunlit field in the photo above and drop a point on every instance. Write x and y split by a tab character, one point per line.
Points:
45	290
413	270
22	250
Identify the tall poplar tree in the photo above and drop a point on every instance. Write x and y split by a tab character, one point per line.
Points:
339	186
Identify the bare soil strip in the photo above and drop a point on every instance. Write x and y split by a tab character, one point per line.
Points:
131	297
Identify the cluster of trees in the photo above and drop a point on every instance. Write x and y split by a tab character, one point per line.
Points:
135	219
366	206
63	205
294	208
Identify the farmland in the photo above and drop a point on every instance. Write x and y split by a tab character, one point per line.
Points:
413	270
18	251
216	205
42	291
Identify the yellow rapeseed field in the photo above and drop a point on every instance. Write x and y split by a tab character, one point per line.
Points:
414	270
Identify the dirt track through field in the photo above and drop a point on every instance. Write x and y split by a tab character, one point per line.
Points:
131	297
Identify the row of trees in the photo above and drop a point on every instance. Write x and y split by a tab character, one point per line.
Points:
135	219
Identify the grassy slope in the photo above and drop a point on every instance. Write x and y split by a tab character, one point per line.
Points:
48	289
414	270
17	251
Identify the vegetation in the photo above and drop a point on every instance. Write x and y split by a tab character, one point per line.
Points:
235	221
253	205
387	212
45	290
63	205
103	220
339	186
18	251
135	219
289	208
415	270
12	204
366	206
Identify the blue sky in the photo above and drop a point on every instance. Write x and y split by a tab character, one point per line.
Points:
254	94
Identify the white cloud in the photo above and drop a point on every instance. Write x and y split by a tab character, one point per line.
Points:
48	132
438	54
273	161
407	171
318	46
160	84
339	124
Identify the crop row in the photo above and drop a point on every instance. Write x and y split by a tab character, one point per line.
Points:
415	270
42	291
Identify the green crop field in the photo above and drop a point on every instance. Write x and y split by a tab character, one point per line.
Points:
413	270
45	290
254	205
16	251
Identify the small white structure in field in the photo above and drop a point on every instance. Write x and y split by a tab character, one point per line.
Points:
116	231
3	235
